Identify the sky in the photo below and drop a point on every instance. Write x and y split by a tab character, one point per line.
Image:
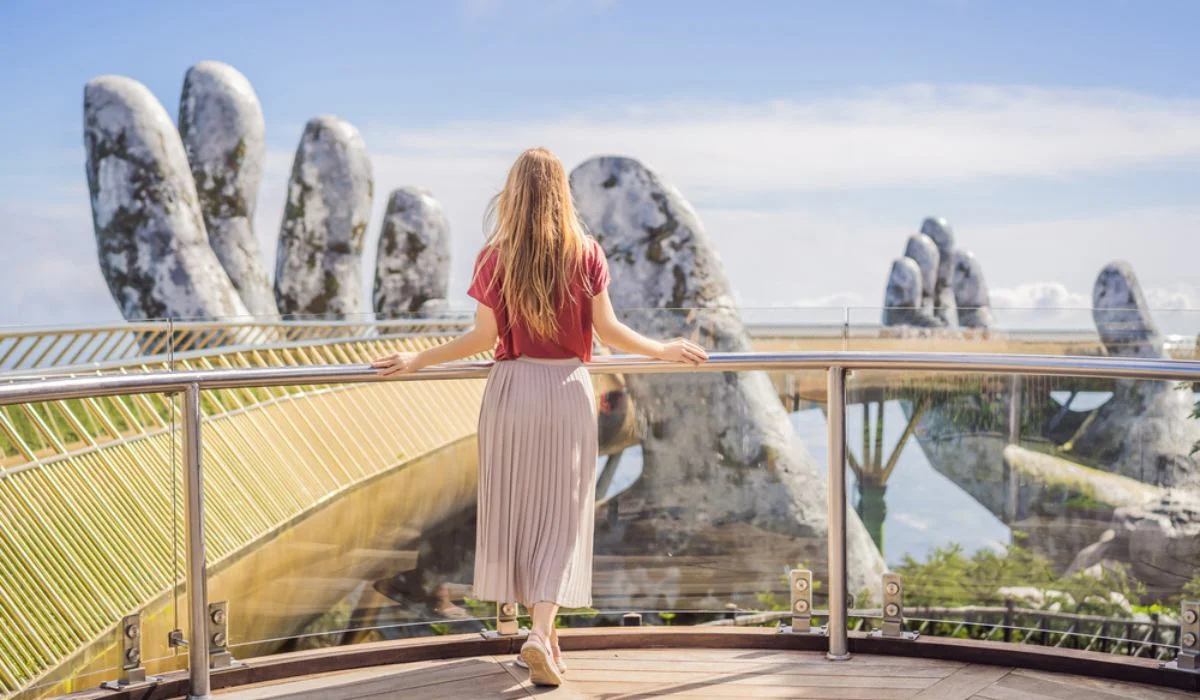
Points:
811	137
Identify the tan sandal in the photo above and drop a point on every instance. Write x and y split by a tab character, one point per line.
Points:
540	662
559	661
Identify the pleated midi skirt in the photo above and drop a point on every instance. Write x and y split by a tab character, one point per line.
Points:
537	484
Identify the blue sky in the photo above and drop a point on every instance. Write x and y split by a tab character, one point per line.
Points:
812	137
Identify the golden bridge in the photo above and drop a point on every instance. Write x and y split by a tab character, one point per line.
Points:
328	499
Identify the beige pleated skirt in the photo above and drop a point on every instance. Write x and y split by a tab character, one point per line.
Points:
537	484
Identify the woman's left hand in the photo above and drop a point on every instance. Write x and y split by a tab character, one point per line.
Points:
398	363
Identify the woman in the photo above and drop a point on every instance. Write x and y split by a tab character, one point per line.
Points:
540	283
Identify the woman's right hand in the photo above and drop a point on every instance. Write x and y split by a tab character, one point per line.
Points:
683	350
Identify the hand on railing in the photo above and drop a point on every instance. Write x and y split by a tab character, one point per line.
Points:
684	351
397	363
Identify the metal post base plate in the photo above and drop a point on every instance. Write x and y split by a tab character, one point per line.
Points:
1173	665
837	657
907	636
143	681
493	634
821	631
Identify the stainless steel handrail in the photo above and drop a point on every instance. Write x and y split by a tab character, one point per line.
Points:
59	387
837	365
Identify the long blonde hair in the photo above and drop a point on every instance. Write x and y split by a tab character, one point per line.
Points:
538	240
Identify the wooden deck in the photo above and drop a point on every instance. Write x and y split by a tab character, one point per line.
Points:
621	663
616	674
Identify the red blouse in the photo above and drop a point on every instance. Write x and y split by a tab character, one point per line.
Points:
574	319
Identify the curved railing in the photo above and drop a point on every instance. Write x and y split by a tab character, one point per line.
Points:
837	366
108	346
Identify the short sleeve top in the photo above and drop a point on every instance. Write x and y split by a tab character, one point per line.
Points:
574	338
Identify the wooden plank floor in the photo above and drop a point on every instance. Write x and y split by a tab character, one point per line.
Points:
704	673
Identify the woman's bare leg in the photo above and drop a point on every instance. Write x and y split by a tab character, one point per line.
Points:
536	651
543	620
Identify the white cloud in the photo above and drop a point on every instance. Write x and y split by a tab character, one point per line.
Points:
920	138
864	146
911	521
1040	295
1055	295
913	135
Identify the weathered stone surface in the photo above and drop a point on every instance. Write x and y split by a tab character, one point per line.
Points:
1068	534
940	232
719	450
905	285
1144	431
412	265
434	308
971	296
903	303
1122	315
318	265
1161	539
221	124
150	236
924	252
1105	490
974	462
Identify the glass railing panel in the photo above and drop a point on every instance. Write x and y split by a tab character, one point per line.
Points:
89	503
723	500
345	514
341	514
1044	510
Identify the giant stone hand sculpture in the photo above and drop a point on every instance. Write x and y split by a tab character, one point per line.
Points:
718	448
412	265
1144	430
150	235
221	124
318	264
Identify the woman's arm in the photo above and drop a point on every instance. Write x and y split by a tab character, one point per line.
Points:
616	334
481	338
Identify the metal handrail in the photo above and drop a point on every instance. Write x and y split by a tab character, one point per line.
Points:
837	366
59	388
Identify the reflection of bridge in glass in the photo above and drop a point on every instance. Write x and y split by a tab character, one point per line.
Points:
331	499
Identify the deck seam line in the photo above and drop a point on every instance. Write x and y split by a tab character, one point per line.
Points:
520	682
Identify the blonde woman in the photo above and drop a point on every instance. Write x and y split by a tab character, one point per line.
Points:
540	283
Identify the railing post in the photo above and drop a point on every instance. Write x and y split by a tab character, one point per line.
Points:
836	505
197	576
1014	438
